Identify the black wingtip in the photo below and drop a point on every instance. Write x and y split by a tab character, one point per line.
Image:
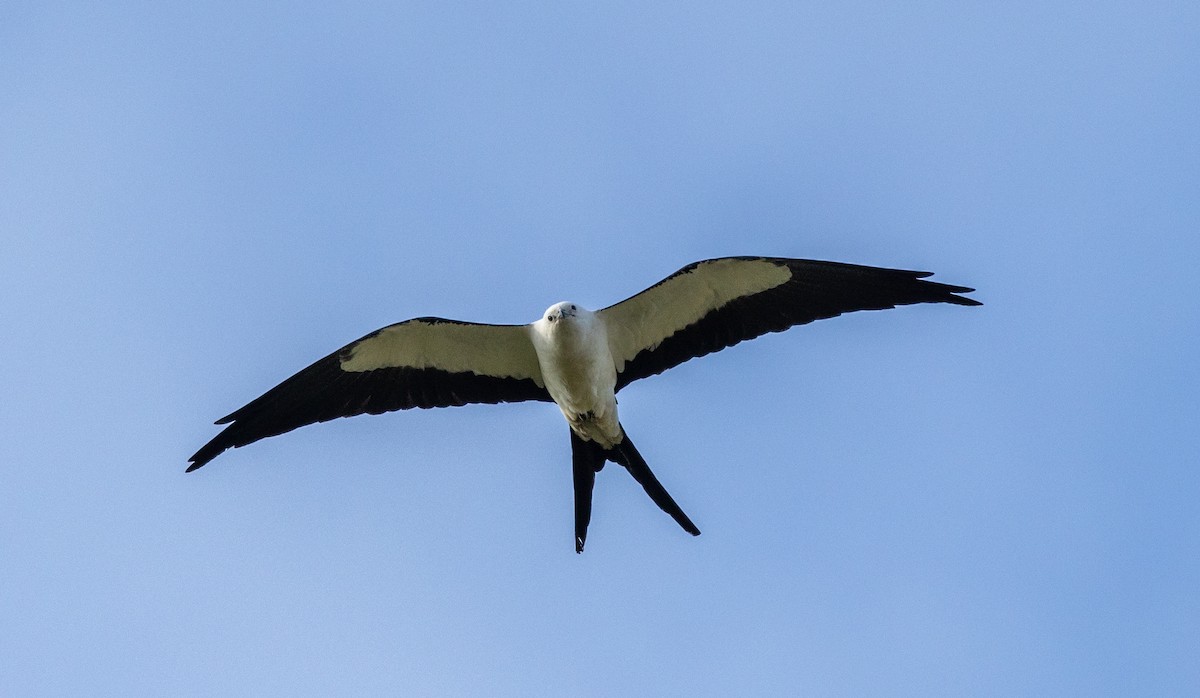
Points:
963	300
207	452
952	294
201	459
938	292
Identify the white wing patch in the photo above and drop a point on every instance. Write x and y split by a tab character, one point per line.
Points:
502	351
645	320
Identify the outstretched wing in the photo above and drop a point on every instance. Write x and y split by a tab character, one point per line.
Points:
717	303
425	362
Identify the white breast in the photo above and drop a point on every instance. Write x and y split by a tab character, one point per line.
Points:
578	370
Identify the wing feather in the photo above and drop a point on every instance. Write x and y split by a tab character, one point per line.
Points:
717	303
424	362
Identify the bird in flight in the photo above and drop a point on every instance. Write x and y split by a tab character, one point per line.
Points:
576	358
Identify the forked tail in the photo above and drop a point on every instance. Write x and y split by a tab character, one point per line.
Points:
588	457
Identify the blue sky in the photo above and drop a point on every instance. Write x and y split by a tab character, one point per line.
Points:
200	199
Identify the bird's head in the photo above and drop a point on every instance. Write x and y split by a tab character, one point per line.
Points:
559	312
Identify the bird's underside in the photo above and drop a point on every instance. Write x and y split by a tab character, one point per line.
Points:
576	358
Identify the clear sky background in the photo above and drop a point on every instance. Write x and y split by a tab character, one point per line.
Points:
198	199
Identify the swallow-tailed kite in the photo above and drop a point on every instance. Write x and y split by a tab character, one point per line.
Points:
576	358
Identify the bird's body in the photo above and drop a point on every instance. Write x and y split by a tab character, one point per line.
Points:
579	371
576	358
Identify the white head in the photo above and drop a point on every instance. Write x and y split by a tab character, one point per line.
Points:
560	312
567	321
